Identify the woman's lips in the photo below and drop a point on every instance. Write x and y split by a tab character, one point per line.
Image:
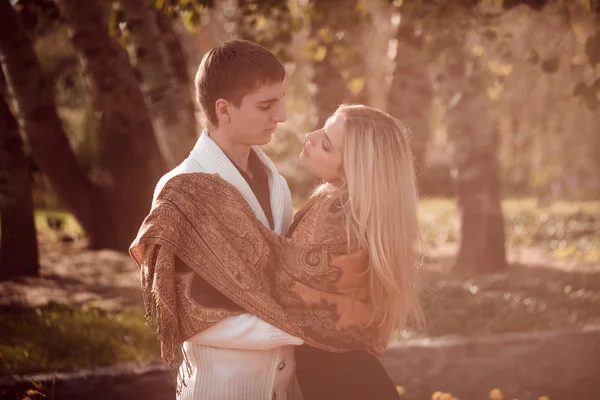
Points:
305	150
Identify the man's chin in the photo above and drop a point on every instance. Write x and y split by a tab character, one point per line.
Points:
263	141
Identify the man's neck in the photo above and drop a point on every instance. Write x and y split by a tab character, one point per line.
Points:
236	152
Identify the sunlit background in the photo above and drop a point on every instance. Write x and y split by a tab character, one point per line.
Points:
503	99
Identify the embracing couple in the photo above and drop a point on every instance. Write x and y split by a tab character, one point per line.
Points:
253	302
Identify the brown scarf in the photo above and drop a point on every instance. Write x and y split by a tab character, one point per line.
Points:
308	285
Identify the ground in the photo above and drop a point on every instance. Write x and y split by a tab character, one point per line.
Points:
94	296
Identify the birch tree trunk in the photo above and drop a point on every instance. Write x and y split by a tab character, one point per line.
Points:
168	102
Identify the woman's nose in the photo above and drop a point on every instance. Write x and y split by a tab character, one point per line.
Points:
309	138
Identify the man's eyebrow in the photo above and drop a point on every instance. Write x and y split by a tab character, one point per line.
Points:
272	99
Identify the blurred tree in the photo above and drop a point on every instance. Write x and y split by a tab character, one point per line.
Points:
176	52
476	173
33	97
168	102
411	90
547	135
129	154
18	241
473	142
461	82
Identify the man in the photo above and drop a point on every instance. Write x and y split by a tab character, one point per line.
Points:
240	87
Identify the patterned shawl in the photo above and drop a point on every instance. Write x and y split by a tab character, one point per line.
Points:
308	285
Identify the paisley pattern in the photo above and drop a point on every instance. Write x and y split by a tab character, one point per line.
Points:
310	284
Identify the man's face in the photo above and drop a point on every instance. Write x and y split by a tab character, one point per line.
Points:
254	122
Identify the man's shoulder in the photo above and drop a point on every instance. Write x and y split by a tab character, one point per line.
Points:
185	167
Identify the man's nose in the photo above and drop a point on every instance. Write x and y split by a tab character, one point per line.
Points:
279	114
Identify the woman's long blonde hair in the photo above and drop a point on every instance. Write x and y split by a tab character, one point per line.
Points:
382	214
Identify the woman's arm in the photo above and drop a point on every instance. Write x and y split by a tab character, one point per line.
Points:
244	332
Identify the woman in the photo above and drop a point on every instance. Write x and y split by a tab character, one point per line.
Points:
365	152
342	280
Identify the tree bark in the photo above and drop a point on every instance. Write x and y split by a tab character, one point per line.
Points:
129	153
175	50
477	182
472	138
18	241
166	99
411	92
33	96
179	62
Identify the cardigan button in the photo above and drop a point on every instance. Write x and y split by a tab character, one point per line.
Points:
281	365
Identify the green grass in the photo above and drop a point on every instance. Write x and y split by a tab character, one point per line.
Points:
567	229
56	338
71	226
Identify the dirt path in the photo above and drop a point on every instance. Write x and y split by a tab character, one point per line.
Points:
73	275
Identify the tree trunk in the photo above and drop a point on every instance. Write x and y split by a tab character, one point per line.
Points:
18	241
33	96
473	144
129	153
167	100
176	52
477	182
179	62
411	92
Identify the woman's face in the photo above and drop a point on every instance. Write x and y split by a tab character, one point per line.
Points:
323	152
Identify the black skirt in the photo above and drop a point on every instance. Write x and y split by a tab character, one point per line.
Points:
356	375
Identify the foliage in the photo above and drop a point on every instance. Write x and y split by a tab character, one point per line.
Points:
38	16
274	23
68	224
338	29
269	23
495	394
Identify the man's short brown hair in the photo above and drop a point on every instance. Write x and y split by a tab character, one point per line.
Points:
232	70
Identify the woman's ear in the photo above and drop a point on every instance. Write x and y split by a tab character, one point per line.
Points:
222	110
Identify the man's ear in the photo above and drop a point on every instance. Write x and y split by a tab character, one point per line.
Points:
222	110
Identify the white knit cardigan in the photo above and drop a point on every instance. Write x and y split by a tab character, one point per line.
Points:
241	357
